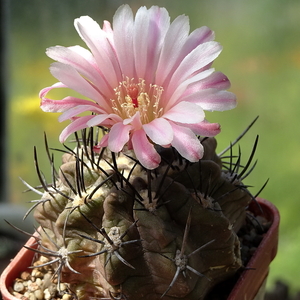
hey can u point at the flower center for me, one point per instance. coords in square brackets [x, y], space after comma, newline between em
[132, 97]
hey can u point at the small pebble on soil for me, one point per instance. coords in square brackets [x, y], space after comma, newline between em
[39, 284]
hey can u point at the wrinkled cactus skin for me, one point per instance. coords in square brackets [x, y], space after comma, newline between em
[130, 233]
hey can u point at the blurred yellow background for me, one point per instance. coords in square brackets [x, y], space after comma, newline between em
[261, 57]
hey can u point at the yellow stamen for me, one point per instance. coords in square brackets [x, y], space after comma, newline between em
[132, 97]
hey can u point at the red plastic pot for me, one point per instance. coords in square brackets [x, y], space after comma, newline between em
[253, 279]
[247, 287]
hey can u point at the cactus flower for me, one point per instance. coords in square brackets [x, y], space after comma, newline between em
[146, 79]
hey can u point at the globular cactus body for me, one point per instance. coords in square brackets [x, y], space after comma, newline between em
[131, 233]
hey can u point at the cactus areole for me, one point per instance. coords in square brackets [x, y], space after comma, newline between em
[142, 207]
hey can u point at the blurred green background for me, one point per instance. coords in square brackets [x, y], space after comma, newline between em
[261, 57]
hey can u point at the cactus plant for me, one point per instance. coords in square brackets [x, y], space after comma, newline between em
[112, 228]
[150, 211]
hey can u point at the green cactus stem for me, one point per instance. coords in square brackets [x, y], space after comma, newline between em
[114, 230]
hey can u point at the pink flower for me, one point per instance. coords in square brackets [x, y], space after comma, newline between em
[149, 81]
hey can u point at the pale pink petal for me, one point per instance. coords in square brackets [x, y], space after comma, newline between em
[150, 27]
[118, 136]
[134, 121]
[213, 99]
[159, 131]
[186, 143]
[216, 80]
[159, 22]
[205, 128]
[144, 150]
[84, 63]
[98, 41]
[71, 78]
[100, 119]
[140, 43]
[104, 141]
[49, 105]
[174, 40]
[77, 124]
[74, 111]
[195, 60]
[109, 32]
[185, 112]
[123, 39]
[46, 90]
[198, 36]
[180, 90]
[85, 53]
